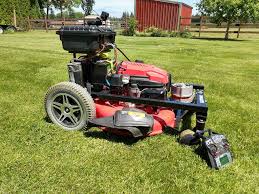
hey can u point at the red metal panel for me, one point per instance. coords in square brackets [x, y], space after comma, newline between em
[160, 14]
[154, 15]
[171, 17]
[165, 15]
[186, 13]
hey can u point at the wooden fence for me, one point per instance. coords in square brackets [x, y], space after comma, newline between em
[50, 24]
[203, 24]
[200, 24]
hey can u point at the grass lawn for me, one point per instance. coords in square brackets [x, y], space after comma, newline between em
[37, 156]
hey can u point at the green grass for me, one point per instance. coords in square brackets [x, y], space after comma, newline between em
[37, 156]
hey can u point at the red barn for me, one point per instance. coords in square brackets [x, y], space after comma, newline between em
[163, 14]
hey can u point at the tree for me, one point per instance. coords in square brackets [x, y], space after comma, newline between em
[22, 9]
[79, 15]
[130, 30]
[229, 11]
[40, 5]
[125, 16]
[87, 6]
[35, 9]
[65, 4]
[71, 12]
[52, 14]
[48, 4]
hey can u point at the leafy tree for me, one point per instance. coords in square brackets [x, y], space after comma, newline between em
[87, 6]
[48, 7]
[71, 12]
[52, 14]
[65, 4]
[79, 15]
[35, 9]
[22, 9]
[125, 16]
[229, 11]
[39, 5]
[131, 29]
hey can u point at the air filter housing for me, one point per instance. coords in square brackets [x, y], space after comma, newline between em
[85, 39]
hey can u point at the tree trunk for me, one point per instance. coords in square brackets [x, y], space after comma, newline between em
[227, 31]
[47, 11]
[61, 10]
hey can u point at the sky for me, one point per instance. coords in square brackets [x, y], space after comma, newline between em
[117, 7]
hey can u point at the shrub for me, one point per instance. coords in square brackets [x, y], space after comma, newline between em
[151, 29]
[186, 34]
[131, 30]
[165, 33]
[156, 32]
[174, 34]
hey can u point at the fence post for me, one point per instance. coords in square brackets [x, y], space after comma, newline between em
[29, 23]
[201, 20]
[46, 24]
[14, 18]
[239, 29]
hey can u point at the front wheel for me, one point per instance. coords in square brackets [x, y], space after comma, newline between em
[70, 106]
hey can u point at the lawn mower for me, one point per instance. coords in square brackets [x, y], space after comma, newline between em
[127, 98]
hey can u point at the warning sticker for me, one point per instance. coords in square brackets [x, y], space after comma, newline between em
[137, 114]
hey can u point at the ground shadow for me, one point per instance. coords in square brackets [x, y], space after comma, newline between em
[201, 151]
[197, 148]
[218, 39]
[47, 119]
[171, 131]
[112, 137]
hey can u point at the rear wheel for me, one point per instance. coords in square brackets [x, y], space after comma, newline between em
[70, 106]
[1, 30]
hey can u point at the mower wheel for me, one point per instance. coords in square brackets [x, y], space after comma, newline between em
[70, 106]
[186, 137]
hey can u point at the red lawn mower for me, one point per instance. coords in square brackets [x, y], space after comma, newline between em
[125, 98]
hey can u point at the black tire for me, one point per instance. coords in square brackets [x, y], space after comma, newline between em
[186, 137]
[11, 29]
[69, 106]
[1, 30]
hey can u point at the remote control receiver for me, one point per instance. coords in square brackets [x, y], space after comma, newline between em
[218, 150]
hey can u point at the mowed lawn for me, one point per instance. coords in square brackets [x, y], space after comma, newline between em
[38, 157]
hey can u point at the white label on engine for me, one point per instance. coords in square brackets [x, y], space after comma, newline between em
[202, 101]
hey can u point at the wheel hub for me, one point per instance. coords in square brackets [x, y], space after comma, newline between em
[67, 110]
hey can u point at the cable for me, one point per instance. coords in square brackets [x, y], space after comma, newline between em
[123, 54]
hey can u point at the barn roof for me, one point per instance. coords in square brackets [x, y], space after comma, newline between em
[174, 2]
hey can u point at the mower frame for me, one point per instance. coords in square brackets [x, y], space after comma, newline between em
[199, 106]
